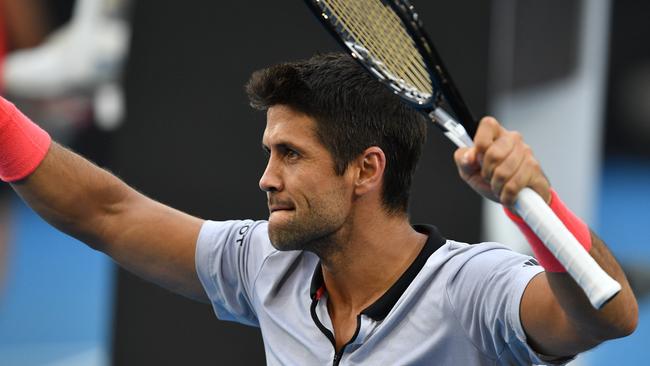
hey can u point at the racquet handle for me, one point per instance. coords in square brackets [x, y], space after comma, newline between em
[594, 281]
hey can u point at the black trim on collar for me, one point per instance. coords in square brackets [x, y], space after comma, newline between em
[380, 308]
[316, 281]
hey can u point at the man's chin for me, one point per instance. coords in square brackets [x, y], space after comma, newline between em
[280, 234]
[288, 235]
[284, 242]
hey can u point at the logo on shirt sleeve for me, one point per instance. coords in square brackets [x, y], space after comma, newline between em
[241, 234]
[531, 263]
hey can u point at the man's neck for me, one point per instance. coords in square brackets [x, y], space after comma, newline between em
[370, 261]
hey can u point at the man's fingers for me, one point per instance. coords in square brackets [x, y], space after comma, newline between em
[488, 131]
[508, 168]
[498, 152]
[467, 161]
[500, 164]
[529, 174]
[513, 186]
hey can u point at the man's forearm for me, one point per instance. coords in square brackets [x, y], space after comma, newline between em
[73, 194]
[617, 318]
[559, 319]
[146, 237]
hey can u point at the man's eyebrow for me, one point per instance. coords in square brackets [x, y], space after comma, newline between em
[282, 145]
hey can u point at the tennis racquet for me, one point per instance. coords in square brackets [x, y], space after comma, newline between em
[387, 38]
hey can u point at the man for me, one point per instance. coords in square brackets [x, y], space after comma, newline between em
[338, 274]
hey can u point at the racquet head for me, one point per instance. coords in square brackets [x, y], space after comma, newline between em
[387, 38]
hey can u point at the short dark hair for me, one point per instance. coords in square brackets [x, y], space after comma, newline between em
[353, 111]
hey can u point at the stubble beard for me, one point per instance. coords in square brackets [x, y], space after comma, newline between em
[313, 232]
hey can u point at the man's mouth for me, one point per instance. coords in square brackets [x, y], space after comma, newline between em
[280, 208]
[275, 206]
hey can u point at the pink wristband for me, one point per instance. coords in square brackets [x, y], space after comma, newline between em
[23, 145]
[572, 222]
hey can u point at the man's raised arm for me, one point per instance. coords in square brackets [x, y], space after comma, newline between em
[555, 313]
[148, 238]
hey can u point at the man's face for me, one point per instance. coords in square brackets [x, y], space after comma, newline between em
[308, 202]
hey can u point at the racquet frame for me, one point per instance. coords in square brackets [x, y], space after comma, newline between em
[596, 283]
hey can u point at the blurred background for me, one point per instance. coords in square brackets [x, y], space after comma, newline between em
[154, 92]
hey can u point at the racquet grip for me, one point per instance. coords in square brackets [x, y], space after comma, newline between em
[595, 282]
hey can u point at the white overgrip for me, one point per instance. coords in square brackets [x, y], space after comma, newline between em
[595, 282]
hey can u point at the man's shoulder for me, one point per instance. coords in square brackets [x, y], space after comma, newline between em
[479, 258]
[237, 231]
[462, 250]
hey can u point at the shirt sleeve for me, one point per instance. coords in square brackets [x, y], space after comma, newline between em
[229, 255]
[485, 294]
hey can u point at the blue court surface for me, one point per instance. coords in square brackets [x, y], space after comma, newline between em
[56, 309]
[57, 304]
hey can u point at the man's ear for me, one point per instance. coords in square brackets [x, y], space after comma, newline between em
[371, 164]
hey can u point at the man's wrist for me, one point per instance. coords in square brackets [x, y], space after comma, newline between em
[23, 145]
[573, 223]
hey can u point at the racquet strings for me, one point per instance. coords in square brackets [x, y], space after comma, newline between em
[375, 28]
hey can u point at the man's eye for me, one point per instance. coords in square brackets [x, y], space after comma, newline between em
[291, 154]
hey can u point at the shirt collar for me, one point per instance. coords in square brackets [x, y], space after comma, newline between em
[380, 308]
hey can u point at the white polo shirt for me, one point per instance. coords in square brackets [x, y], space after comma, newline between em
[457, 304]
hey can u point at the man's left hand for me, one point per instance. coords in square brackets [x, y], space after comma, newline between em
[500, 164]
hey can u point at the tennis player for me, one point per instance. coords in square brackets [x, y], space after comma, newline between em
[338, 275]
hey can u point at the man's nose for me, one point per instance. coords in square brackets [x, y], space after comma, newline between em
[270, 180]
